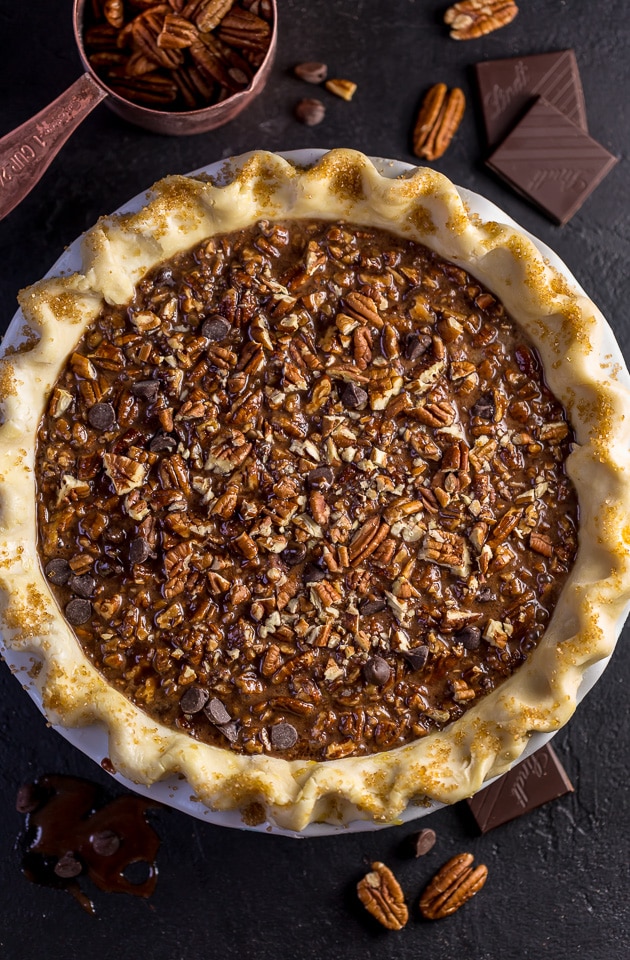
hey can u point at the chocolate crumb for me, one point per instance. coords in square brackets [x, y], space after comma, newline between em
[484, 407]
[163, 443]
[469, 637]
[416, 345]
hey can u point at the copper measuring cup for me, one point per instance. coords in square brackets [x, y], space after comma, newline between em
[27, 152]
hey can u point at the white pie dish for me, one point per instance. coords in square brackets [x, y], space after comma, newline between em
[93, 740]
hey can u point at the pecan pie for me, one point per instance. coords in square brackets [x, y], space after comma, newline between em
[304, 464]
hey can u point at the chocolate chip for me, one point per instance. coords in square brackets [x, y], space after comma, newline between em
[368, 607]
[105, 843]
[102, 416]
[416, 345]
[313, 573]
[146, 389]
[470, 637]
[163, 443]
[28, 798]
[83, 586]
[320, 477]
[216, 712]
[68, 866]
[377, 671]
[353, 397]
[293, 554]
[310, 111]
[485, 595]
[484, 407]
[416, 657]
[215, 327]
[139, 550]
[195, 700]
[423, 842]
[283, 736]
[58, 571]
[78, 611]
[311, 72]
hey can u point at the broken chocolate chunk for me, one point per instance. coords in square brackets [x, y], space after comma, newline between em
[469, 637]
[293, 554]
[484, 408]
[139, 550]
[416, 657]
[146, 389]
[195, 699]
[416, 345]
[163, 443]
[353, 397]
[320, 477]
[83, 586]
[216, 712]
[368, 607]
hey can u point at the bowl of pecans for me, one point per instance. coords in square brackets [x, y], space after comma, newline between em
[178, 67]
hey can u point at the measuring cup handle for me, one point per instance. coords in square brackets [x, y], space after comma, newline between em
[26, 153]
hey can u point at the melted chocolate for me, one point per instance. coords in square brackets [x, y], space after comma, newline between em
[70, 823]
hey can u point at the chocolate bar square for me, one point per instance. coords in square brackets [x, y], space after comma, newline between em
[551, 161]
[508, 87]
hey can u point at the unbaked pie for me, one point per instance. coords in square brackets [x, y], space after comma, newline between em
[291, 483]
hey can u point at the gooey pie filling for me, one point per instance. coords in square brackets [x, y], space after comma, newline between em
[305, 494]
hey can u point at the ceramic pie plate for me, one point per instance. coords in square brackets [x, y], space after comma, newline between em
[93, 740]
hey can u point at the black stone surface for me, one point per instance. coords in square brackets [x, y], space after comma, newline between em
[558, 879]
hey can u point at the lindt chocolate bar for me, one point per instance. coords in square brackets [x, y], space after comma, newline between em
[531, 783]
[551, 161]
[508, 87]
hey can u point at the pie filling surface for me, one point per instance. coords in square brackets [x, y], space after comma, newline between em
[305, 495]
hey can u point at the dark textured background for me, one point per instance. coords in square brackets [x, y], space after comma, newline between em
[558, 879]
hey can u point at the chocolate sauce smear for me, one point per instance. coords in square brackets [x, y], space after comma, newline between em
[71, 833]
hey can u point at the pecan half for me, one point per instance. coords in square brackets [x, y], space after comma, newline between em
[439, 117]
[452, 887]
[380, 894]
[470, 19]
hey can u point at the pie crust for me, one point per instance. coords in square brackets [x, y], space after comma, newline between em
[568, 332]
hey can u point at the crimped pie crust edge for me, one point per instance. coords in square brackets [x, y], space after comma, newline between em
[567, 330]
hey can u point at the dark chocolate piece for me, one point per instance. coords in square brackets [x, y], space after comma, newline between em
[508, 87]
[423, 842]
[531, 783]
[377, 671]
[551, 161]
[283, 736]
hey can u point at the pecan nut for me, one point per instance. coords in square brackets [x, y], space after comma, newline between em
[452, 887]
[380, 894]
[345, 89]
[470, 19]
[439, 117]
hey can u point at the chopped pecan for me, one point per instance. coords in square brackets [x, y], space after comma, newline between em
[470, 19]
[125, 474]
[452, 887]
[437, 122]
[380, 894]
[363, 308]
